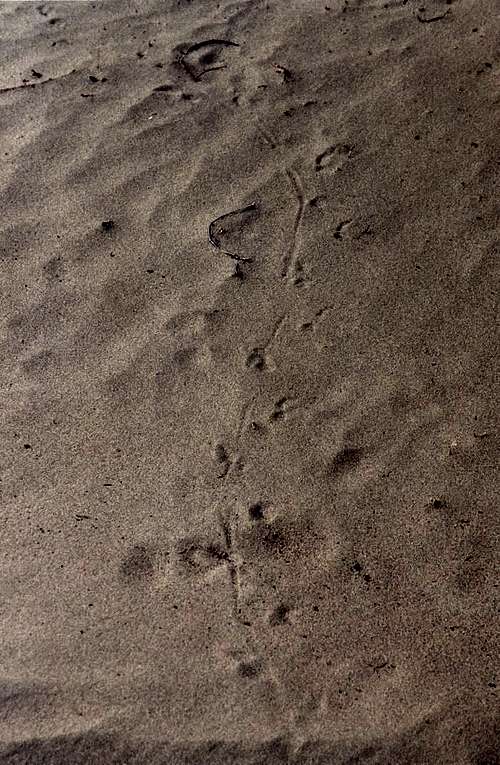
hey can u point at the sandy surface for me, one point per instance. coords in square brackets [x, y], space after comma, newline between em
[248, 486]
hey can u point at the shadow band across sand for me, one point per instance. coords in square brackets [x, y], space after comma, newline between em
[420, 744]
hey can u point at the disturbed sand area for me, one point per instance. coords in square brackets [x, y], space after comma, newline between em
[248, 505]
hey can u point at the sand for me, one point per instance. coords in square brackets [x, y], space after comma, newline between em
[248, 479]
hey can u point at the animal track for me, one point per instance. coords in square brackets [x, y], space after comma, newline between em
[265, 538]
[198, 557]
[250, 669]
[348, 457]
[366, 232]
[311, 324]
[300, 278]
[279, 615]
[233, 567]
[256, 359]
[138, 563]
[333, 157]
[284, 406]
[279, 410]
[286, 74]
[289, 263]
[222, 459]
[340, 227]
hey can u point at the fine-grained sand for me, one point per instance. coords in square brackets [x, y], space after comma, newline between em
[248, 485]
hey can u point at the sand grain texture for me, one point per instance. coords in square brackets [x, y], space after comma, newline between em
[248, 484]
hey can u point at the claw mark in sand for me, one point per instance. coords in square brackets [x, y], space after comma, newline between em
[233, 568]
[258, 357]
[214, 239]
[290, 260]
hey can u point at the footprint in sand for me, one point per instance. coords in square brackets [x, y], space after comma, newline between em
[203, 57]
[334, 157]
[197, 557]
